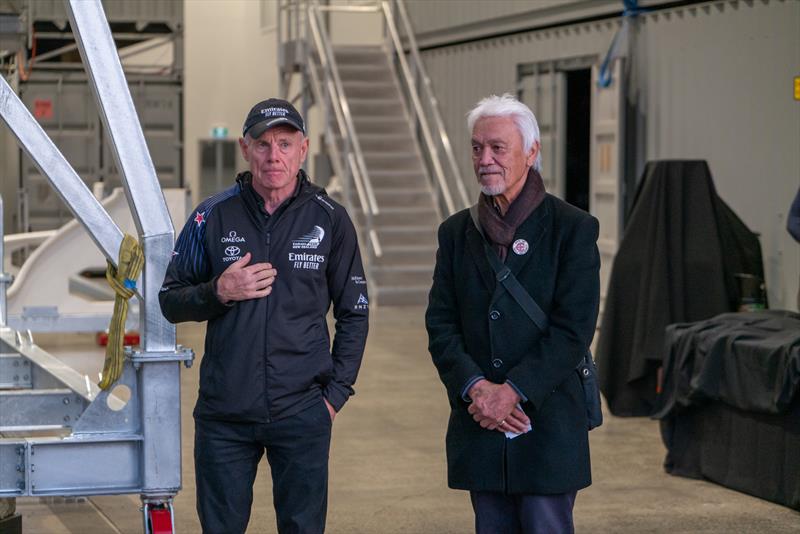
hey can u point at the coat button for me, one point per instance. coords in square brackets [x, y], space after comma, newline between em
[497, 363]
[494, 315]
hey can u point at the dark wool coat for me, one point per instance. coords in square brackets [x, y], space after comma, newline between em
[476, 330]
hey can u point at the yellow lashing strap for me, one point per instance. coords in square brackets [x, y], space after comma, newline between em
[123, 281]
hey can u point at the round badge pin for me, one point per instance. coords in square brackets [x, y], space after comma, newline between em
[520, 247]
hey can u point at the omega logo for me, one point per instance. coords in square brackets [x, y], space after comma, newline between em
[232, 238]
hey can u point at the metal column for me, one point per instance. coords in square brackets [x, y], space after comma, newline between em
[160, 380]
[114, 447]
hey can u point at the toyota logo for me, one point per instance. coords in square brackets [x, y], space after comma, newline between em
[232, 251]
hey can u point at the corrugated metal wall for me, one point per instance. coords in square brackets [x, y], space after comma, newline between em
[716, 84]
[169, 12]
[431, 15]
[712, 81]
[441, 21]
[65, 107]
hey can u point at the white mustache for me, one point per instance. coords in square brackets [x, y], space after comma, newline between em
[487, 170]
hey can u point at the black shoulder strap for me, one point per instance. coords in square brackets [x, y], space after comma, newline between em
[515, 289]
[509, 281]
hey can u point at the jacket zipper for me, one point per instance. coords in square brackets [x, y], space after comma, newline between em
[266, 346]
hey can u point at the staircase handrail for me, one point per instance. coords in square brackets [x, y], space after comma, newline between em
[433, 102]
[355, 156]
[340, 162]
[330, 68]
[438, 171]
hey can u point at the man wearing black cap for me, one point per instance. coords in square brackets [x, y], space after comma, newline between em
[262, 262]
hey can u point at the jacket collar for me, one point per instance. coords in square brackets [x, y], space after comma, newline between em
[303, 192]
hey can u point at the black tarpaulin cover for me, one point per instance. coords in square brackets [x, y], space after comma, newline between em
[676, 263]
[730, 405]
[749, 361]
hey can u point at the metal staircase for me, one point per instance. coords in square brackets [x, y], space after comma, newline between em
[384, 138]
[407, 221]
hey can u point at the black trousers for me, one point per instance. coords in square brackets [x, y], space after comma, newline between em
[498, 513]
[226, 457]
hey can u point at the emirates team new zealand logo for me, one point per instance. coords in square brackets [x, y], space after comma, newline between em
[310, 240]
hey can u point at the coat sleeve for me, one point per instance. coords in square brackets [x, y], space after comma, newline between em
[347, 286]
[573, 317]
[189, 289]
[793, 220]
[442, 320]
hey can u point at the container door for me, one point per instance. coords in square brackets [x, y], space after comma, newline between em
[606, 181]
[543, 90]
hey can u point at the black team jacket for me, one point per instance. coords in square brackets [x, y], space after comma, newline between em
[270, 358]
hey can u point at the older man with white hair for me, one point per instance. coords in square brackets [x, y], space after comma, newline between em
[517, 437]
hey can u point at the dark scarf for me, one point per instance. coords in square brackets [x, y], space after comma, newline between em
[500, 229]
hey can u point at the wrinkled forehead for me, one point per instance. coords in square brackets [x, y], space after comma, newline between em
[281, 131]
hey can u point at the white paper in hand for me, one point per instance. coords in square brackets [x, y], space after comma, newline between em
[512, 435]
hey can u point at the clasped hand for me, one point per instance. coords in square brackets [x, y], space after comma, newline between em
[494, 407]
[241, 281]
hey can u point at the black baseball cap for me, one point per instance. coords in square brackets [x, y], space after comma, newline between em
[269, 113]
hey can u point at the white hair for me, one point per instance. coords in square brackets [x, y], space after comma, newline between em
[508, 106]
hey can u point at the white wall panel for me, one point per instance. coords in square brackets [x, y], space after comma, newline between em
[230, 65]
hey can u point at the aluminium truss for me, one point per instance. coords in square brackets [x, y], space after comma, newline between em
[98, 444]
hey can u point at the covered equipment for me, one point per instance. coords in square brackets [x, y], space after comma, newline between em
[678, 262]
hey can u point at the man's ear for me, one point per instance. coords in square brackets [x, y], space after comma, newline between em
[533, 154]
[304, 149]
[243, 148]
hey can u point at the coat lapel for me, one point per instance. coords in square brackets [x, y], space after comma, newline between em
[475, 244]
[532, 231]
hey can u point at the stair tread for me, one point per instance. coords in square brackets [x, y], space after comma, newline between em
[399, 190]
[398, 118]
[385, 153]
[383, 136]
[386, 135]
[409, 248]
[360, 49]
[395, 172]
[363, 66]
[403, 288]
[411, 267]
[365, 100]
[407, 228]
[402, 209]
[386, 83]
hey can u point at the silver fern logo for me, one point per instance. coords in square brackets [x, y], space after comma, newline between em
[311, 239]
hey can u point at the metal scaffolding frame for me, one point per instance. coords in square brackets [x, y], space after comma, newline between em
[101, 445]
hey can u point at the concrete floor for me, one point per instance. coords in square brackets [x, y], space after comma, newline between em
[388, 465]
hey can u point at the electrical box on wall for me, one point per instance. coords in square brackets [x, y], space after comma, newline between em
[218, 166]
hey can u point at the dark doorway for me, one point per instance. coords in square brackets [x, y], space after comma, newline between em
[579, 114]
